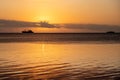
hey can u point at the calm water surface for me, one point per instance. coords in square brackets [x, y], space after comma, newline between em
[59, 56]
[59, 61]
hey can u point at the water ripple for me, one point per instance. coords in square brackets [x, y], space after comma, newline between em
[56, 71]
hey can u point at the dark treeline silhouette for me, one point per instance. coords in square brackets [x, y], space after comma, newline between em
[110, 32]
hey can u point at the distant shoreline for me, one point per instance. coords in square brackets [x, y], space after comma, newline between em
[64, 33]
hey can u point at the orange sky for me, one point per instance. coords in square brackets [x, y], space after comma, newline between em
[101, 12]
[62, 11]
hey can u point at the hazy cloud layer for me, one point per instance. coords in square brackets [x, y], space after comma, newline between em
[13, 23]
[10, 25]
[93, 27]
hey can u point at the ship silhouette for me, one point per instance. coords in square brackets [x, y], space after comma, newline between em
[27, 31]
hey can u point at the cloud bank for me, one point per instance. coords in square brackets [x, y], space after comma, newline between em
[93, 27]
[12, 25]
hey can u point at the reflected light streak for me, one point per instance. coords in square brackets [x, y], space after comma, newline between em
[43, 48]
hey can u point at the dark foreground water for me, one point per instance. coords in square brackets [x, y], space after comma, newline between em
[59, 57]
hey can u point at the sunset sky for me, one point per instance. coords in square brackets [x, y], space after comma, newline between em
[101, 12]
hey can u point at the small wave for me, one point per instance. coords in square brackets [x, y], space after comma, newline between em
[56, 71]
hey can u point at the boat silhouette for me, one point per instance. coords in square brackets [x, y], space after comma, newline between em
[27, 31]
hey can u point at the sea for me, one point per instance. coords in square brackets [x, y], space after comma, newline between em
[59, 56]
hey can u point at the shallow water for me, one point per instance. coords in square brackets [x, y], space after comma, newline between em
[59, 61]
